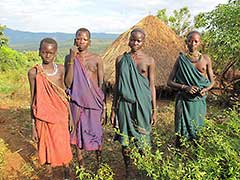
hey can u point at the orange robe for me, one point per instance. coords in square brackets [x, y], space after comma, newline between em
[50, 108]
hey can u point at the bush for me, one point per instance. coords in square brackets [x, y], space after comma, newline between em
[103, 173]
[214, 156]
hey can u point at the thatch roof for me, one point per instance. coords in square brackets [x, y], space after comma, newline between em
[161, 43]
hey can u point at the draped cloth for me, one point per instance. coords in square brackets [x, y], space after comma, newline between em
[133, 112]
[50, 109]
[190, 110]
[86, 106]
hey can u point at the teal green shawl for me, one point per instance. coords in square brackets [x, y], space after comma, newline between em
[134, 105]
[190, 110]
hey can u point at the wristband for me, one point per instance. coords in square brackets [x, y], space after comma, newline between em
[182, 87]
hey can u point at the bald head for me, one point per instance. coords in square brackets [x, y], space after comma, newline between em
[138, 30]
[49, 41]
[83, 30]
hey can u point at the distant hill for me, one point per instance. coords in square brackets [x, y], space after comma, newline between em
[24, 41]
[19, 37]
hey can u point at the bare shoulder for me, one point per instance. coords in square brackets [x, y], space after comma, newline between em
[119, 58]
[206, 58]
[67, 58]
[60, 67]
[149, 59]
[32, 72]
[94, 55]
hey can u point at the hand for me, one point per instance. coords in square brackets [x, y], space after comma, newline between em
[34, 134]
[203, 91]
[154, 118]
[192, 89]
[71, 125]
[112, 118]
[73, 52]
[104, 116]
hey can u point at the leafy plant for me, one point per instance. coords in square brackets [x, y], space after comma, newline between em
[214, 156]
[103, 173]
[180, 21]
[221, 32]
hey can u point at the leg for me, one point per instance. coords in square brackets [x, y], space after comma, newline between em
[126, 158]
[98, 157]
[66, 172]
[49, 170]
[178, 143]
[80, 157]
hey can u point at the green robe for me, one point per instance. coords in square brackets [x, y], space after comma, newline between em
[190, 110]
[134, 106]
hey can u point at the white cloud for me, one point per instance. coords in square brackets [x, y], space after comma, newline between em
[98, 16]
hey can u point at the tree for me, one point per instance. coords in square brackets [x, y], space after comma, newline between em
[222, 41]
[3, 38]
[221, 33]
[180, 21]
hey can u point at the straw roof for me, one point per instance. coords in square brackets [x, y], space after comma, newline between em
[161, 43]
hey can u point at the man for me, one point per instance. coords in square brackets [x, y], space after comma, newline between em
[84, 78]
[134, 100]
[50, 109]
[193, 76]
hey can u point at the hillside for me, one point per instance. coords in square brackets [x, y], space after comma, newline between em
[24, 41]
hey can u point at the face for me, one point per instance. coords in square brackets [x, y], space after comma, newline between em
[48, 52]
[82, 40]
[193, 42]
[136, 41]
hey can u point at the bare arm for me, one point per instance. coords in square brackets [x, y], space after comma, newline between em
[171, 79]
[210, 73]
[69, 64]
[153, 90]
[152, 83]
[100, 72]
[32, 82]
[115, 93]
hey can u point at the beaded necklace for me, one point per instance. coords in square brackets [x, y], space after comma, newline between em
[192, 56]
[55, 70]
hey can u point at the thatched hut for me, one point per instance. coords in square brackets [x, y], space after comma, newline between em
[161, 43]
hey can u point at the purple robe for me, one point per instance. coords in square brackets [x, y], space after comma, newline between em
[86, 107]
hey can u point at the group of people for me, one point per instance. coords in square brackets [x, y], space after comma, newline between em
[68, 103]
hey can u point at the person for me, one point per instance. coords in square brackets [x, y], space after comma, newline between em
[84, 79]
[193, 76]
[134, 98]
[50, 109]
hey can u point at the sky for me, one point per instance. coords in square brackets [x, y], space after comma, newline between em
[109, 16]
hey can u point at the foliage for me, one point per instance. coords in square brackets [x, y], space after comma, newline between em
[180, 20]
[3, 149]
[214, 156]
[3, 38]
[221, 32]
[13, 70]
[13, 60]
[103, 173]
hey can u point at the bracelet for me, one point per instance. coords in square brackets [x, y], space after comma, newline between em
[70, 62]
[182, 87]
[155, 109]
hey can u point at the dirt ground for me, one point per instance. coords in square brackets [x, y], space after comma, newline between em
[21, 161]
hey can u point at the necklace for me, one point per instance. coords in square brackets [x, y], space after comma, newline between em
[55, 70]
[134, 57]
[192, 56]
